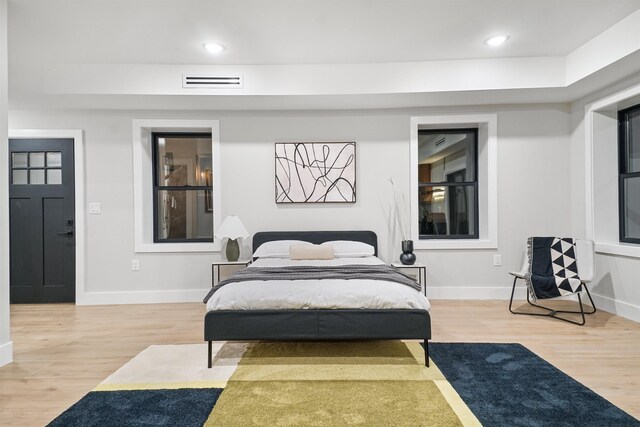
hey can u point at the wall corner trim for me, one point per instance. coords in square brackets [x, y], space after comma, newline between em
[6, 353]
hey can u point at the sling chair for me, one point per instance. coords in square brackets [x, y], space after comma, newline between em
[579, 253]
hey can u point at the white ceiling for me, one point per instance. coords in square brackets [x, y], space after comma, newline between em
[559, 50]
[302, 31]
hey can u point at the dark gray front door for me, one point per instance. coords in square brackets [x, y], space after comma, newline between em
[42, 217]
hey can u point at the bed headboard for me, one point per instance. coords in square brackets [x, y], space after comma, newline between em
[317, 237]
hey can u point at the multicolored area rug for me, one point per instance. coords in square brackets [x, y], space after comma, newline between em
[341, 384]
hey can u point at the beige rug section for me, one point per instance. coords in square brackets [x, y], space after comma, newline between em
[176, 366]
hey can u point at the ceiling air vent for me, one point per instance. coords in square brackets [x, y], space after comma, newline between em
[440, 141]
[213, 82]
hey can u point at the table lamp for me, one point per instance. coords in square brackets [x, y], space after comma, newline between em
[232, 229]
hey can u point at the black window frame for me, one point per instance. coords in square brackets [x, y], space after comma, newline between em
[157, 188]
[474, 183]
[624, 138]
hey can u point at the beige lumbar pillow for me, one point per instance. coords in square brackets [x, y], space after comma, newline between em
[308, 251]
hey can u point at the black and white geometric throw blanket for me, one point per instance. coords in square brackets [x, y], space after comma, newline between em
[344, 272]
[553, 270]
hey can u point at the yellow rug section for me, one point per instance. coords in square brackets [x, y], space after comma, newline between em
[318, 353]
[332, 403]
[327, 361]
[381, 383]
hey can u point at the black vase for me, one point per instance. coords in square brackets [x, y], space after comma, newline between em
[407, 257]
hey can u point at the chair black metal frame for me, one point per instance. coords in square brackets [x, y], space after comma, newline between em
[552, 312]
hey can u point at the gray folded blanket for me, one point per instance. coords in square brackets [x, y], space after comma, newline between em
[346, 272]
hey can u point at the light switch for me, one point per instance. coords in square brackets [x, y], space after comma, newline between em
[95, 208]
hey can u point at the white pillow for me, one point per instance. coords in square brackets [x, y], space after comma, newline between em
[313, 252]
[276, 248]
[350, 249]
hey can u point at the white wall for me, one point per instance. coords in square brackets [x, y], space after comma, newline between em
[533, 146]
[616, 287]
[532, 150]
[5, 338]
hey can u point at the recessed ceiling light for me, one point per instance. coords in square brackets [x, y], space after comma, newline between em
[496, 40]
[213, 47]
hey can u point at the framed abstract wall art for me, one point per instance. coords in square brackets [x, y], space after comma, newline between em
[315, 172]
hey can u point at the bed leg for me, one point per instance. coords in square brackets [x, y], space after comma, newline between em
[210, 354]
[426, 353]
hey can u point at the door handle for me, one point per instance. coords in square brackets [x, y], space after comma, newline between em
[68, 233]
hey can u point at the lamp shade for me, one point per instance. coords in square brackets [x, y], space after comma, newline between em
[231, 228]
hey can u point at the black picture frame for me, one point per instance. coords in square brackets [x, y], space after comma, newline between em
[315, 172]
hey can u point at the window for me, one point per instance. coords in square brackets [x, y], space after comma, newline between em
[629, 174]
[603, 137]
[182, 187]
[481, 213]
[30, 168]
[448, 184]
[144, 183]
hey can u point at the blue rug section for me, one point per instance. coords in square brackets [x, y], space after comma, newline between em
[508, 385]
[181, 407]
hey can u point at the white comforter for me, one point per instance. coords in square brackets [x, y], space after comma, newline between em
[316, 293]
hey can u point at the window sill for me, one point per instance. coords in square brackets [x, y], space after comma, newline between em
[623, 249]
[454, 244]
[178, 247]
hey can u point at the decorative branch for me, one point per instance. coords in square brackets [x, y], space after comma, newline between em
[399, 202]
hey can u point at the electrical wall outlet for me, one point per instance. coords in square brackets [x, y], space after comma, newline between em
[95, 208]
[135, 264]
[497, 260]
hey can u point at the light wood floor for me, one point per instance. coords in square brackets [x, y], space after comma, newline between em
[61, 352]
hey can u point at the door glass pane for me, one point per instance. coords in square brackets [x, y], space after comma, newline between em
[36, 176]
[182, 159]
[19, 160]
[54, 176]
[36, 160]
[632, 207]
[185, 214]
[447, 210]
[54, 159]
[442, 153]
[19, 177]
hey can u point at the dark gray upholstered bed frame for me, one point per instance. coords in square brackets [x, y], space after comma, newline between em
[317, 324]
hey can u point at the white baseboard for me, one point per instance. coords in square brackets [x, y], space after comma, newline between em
[196, 295]
[474, 293]
[6, 353]
[141, 297]
[619, 308]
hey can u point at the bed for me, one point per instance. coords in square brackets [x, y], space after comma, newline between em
[233, 315]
